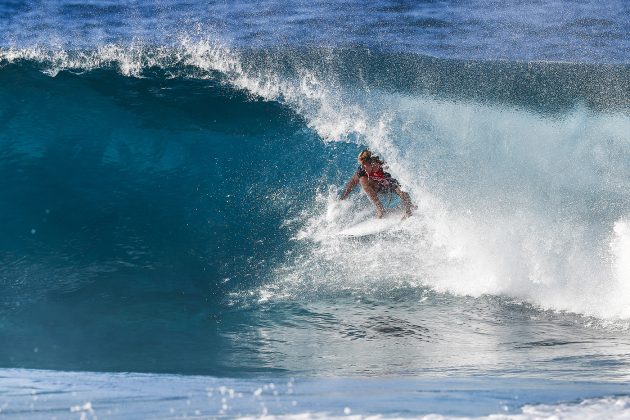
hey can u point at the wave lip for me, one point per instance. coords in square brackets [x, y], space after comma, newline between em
[271, 73]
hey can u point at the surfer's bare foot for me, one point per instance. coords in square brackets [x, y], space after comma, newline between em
[379, 213]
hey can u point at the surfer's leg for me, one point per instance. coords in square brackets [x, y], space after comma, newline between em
[370, 190]
[406, 201]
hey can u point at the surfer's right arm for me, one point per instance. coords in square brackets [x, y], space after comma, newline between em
[354, 181]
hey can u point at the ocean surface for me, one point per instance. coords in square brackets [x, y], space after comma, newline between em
[169, 214]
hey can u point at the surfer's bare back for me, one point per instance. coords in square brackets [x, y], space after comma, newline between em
[374, 180]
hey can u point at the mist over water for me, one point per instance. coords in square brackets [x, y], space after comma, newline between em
[588, 31]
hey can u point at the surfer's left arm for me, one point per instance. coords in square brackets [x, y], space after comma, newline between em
[354, 181]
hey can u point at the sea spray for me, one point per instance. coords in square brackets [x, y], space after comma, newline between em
[506, 204]
[620, 249]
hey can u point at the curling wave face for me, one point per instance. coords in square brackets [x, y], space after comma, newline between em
[180, 186]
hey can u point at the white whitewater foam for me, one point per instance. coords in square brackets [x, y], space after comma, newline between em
[609, 408]
[512, 203]
[620, 247]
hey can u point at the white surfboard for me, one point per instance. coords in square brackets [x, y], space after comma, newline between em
[373, 226]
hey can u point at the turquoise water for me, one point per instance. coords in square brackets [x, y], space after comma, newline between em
[45, 394]
[169, 208]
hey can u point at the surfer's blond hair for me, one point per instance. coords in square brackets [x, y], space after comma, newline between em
[367, 156]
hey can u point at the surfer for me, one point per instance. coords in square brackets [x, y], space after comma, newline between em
[374, 180]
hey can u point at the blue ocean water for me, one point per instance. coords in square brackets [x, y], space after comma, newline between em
[169, 174]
